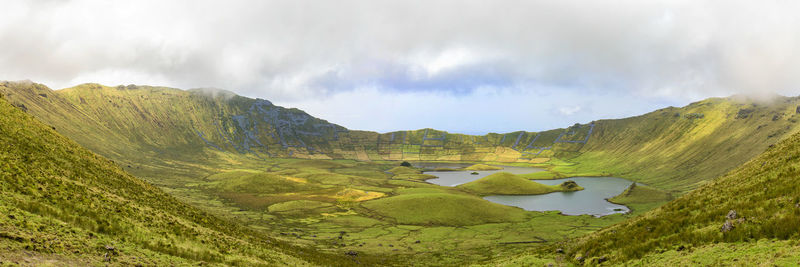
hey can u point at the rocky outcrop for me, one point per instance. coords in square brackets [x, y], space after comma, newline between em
[569, 184]
[731, 215]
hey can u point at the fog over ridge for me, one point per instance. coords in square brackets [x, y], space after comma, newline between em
[539, 63]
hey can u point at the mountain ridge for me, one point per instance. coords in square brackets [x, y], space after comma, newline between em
[674, 149]
[63, 204]
[177, 140]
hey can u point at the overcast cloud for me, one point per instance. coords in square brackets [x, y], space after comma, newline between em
[553, 63]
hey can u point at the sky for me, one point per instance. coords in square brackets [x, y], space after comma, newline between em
[462, 66]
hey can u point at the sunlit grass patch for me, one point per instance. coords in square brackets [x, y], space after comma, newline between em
[443, 209]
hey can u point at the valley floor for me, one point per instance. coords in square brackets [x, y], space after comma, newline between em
[345, 206]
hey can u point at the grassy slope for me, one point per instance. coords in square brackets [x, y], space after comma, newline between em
[744, 254]
[504, 183]
[155, 129]
[638, 196]
[170, 124]
[758, 253]
[638, 193]
[483, 167]
[670, 149]
[402, 172]
[64, 203]
[257, 183]
[661, 149]
[765, 192]
[443, 209]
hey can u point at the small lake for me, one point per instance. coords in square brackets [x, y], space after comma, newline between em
[591, 200]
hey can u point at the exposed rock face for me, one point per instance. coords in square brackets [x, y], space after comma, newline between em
[22, 107]
[744, 113]
[727, 226]
[731, 215]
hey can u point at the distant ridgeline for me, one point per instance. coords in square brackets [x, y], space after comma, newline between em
[671, 148]
[166, 120]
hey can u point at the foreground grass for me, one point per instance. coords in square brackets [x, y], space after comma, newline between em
[764, 252]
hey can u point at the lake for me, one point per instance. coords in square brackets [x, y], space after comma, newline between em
[591, 200]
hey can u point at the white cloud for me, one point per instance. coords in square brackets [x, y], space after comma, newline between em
[293, 51]
[569, 110]
[482, 111]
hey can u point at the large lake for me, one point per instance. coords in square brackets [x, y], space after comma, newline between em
[591, 200]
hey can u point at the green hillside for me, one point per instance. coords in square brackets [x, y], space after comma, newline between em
[640, 196]
[746, 217]
[504, 183]
[63, 205]
[443, 209]
[764, 195]
[682, 148]
[166, 122]
[156, 129]
[318, 185]
[483, 167]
